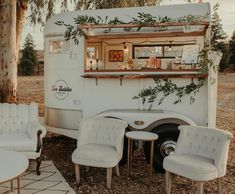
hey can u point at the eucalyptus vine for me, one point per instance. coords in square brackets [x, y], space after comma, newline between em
[142, 19]
[165, 88]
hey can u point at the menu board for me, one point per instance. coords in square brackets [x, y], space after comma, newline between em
[190, 54]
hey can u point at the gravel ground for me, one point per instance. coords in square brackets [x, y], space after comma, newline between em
[59, 149]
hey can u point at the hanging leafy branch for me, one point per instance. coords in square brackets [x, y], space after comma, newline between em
[142, 19]
[204, 62]
[166, 88]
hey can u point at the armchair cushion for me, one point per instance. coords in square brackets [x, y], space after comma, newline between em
[195, 167]
[21, 143]
[96, 155]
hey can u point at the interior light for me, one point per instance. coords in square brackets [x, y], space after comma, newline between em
[124, 45]
[169, 49]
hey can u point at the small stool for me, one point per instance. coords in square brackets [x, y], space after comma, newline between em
[141, 136]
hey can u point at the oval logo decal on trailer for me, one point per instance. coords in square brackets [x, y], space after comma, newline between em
[61, 89]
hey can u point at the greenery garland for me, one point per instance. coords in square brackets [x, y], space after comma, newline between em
[142, 19]
[166, 87]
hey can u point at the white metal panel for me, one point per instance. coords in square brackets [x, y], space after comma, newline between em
[63, 99]
[62, 118]
[60, 61]
[109, 94]
[196, 111]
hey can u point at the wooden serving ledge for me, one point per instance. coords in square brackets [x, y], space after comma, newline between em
[142, 74]
[140, 70]
[139, 76]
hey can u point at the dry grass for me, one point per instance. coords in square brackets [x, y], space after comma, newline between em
[59, 149]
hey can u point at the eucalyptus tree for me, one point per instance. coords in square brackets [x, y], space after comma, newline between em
[232, 50]
[103, 4]
[218, 37]
[12, 18]
[217, 33]
[28, 59]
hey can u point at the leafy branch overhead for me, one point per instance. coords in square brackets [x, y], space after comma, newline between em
[162, 88]
[142, 19]
[165, 88]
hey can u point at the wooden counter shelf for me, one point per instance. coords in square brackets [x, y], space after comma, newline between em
[141, 70]
[142, 74]
[139, 76]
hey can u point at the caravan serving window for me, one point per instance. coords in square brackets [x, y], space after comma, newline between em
[59, 46]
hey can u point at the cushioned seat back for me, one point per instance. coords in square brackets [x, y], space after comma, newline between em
[207, 142]
[14, 118]
[104, 131]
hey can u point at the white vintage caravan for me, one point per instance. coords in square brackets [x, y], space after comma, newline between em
[111, 64]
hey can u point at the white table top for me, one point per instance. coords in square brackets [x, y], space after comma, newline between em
[141, 135]
[12, 164]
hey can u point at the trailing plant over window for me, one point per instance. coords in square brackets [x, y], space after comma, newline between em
[162, 87]
[204, 62]
[142, 19]
[165, 88]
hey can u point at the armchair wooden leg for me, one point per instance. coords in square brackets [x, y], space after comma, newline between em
[38, 160]
[77, 173]
[117, 172]
[109, 177]
[219, 186]
[168, 182]
[200, 187]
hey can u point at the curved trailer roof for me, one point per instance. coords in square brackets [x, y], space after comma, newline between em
[125, 14]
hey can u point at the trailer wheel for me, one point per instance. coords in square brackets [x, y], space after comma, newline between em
[164, 145]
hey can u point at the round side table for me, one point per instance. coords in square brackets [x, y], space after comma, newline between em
[12, 165]
[140, 136]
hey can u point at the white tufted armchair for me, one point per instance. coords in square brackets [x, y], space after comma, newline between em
[201, 154]
[100, 144]
[21, 131]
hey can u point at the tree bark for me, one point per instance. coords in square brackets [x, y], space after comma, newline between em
[8, 66]
[21, 11]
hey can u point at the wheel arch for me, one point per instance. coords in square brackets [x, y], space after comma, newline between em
[150, 120]
[165, 121]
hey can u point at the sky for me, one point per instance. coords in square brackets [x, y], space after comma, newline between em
[226, 13]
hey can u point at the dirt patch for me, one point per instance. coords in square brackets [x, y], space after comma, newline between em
[59, 149]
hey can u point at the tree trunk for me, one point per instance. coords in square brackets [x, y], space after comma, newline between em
[21, 11]
[8, 66]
